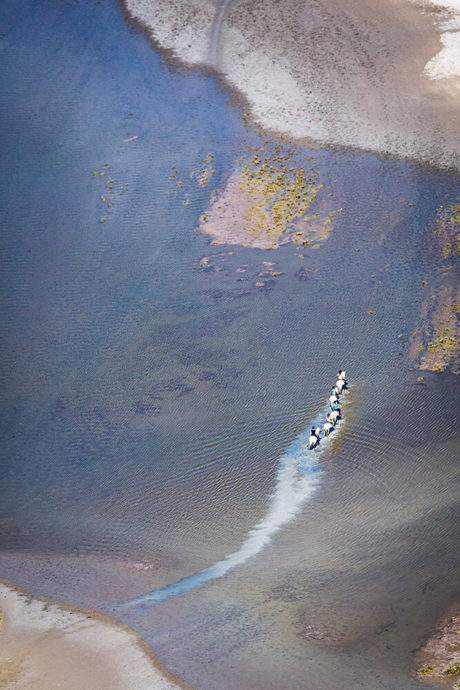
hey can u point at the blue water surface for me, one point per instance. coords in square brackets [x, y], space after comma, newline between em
[148, 403]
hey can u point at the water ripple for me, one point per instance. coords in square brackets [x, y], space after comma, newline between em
[296, 480]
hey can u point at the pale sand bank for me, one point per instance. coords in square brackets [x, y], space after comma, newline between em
[446, 63]
[45, 645]
[374, 75]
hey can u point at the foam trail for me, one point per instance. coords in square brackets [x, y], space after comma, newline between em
[296, 480]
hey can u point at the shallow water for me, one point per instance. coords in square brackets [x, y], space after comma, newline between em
[148, 401]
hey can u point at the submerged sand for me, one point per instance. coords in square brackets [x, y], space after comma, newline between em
[45, 645]
[380, 76]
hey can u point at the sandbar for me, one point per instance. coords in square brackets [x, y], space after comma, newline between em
[46, 645]
[269, 201]
[378, 76]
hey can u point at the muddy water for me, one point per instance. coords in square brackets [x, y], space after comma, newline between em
[151, 399]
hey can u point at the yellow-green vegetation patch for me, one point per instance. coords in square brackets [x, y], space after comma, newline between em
[435, 345]
[280, 192]
[205, 172]
[453, 669]
[426, 669]
[447, 231]
[442, 349]
[444, 342]
[112, 189]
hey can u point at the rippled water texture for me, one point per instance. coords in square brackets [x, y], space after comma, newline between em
[155, 404]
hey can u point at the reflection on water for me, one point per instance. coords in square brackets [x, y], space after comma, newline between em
[152, 380]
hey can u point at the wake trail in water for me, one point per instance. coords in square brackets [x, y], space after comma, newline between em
[297, 477]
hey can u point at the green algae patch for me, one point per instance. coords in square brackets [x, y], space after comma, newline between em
[279, 193]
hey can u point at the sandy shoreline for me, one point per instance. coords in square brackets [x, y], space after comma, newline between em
[47, 645]
[353, 74]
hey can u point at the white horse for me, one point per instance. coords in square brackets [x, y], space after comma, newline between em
[340, 384]
[327, 427]
[332, 399]
[313, 442]
[335, 416]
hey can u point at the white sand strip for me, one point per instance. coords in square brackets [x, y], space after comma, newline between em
[446, 64]
[46, 646]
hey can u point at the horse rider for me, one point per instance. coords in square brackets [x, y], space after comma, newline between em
[333, 398]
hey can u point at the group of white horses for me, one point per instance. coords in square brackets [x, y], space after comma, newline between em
[334, 415]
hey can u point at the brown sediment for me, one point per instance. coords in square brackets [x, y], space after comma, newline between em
[49, 644]
[435, 660]
[338, 73]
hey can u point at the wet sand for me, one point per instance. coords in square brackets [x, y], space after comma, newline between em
[374, 76]
[47, 645]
